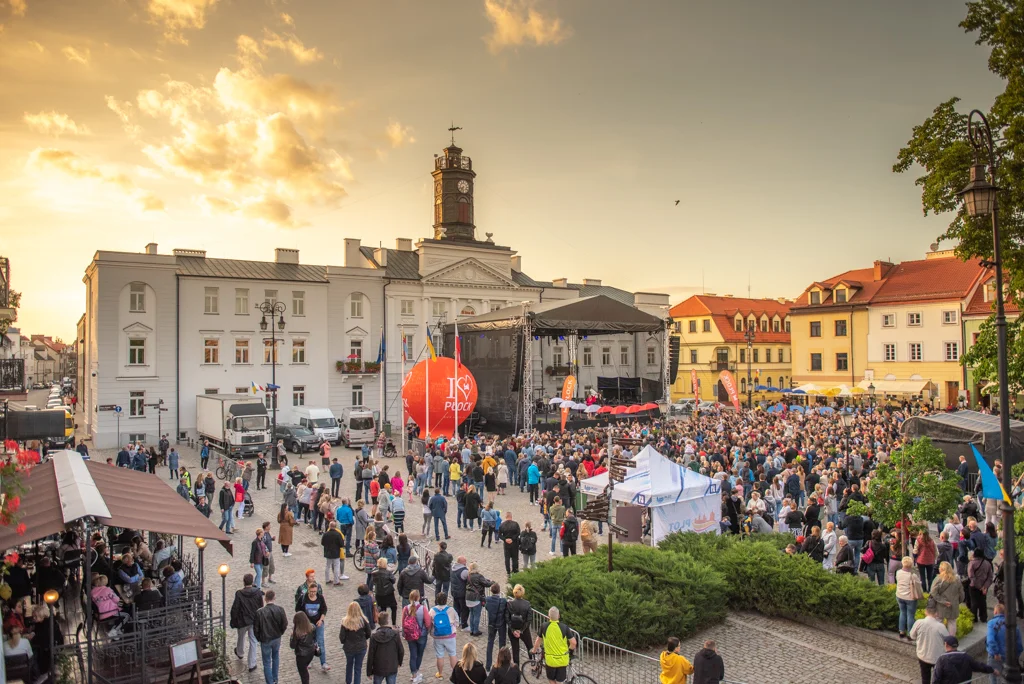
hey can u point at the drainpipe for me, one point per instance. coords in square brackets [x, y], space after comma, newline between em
[384, 362]
[177, 358]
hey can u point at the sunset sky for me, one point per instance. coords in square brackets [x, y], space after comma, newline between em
[238, 126]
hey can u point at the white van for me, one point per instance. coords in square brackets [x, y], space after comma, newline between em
[320, 420]
[358, 425]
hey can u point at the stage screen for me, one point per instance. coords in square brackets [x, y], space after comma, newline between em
[495, 359]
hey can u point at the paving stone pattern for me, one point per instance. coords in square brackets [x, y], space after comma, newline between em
[756, 649]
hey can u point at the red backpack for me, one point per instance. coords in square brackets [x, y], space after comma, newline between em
[411, 629]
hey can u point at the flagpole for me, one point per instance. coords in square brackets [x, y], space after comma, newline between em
[426, 386]
[402, 399]
[458, 365]
[383, 354]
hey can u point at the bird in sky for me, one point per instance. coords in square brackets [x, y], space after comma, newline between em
[677, 202]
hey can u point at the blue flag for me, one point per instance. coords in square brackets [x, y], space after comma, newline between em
[991, 488]
[380, 350]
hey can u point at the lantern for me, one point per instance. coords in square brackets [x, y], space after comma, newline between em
[445, 391]
[979, 195]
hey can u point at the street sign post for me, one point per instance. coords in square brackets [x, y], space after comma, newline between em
[159, 406]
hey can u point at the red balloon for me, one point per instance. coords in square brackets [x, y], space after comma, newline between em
[444, 387]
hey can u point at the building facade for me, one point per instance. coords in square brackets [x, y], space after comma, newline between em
[979, 309]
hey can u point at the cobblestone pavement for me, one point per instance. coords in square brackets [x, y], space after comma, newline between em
[756, 649]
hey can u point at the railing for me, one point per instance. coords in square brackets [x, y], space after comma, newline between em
[12, 375]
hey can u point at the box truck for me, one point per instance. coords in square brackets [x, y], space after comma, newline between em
[235, 424]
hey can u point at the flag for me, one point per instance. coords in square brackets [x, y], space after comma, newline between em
[380, 350]
[430, 346]
[254, 388]
[458, 348]
[991, 487]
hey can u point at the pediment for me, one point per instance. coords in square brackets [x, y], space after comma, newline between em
[470, 272]
[138, 328]
[356, 332]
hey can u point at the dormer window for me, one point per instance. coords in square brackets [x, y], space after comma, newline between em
[738, 323]
[776, 325]
[764, 324]
[751, 324]
[815, 296]
[841, 296]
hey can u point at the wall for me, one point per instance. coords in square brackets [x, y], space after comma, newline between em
[828, 345]
[343, 328]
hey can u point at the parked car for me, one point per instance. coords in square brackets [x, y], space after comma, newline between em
[296, 438]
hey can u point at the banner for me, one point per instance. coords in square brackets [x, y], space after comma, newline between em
[568, 390]
[693, 381]
[730, 386]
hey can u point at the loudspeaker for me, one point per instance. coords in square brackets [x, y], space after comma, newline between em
[518, 351]
[673, 359]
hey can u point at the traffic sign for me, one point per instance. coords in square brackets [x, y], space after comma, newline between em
[117, 409]
[108, 407]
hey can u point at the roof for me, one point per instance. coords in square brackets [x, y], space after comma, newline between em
[862, 279]
[929, 279]
[202, 267]
[402, 265]
[585, 290]
[723, 312]
[967, 427]
[587, 315]
[979, 307]
[66, 489]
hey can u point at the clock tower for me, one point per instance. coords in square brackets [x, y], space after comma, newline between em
[453, 195]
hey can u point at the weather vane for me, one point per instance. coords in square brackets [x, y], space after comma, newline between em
[452, 129]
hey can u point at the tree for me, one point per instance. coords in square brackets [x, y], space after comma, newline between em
[13, 302]
[983, 359]
[914, 485]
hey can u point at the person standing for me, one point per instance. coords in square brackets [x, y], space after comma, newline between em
[556, 514]
[248, 601]
[226, 501]
[442, 568]
[386, 652]
[674, 666]
[948, 593]
[335, 471]
[269, 626]
[468, 670]
[414, 629]
[286, 526]
[528, 545]
[980, 575]
[995, 640]
[261, 472]
[334, 554]
[204, 455]
[570, 532]
[443, 622]
[956, 667]
[497, 609]
[557, 641]
[438, 511]
[354, 634]
[303, 642]
[708, 666]
[519, 613]
[509, 534]
[258, 557]
[315, 608]
[172, 461]
[930, 635]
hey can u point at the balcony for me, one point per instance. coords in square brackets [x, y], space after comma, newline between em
[12, 376]
[357, 367]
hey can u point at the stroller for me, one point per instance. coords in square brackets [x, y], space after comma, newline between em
[247, 507]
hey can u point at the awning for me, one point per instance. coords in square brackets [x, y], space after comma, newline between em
[965, 427]
[66, 489]
[898, 386]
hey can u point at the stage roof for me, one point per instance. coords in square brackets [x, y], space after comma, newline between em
[587, 315]
[966, 427]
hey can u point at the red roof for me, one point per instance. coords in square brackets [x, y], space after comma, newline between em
[723, 311]
[978, 305]
[929, 279]
[861, 281]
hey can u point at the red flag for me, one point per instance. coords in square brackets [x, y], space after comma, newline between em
[730, 386]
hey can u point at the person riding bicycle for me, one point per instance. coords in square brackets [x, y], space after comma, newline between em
[557, 642]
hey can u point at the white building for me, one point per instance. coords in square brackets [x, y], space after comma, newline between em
[171, 326]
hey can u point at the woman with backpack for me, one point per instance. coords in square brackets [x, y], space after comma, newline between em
[518, 620]
[384, 588]
[354, 635]
[371, 554]
[528, 545]
[414, 629]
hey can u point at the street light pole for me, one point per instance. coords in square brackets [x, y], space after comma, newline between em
[274, 310]
[749, 337]
[980, 199]
[51, 597]
[223, 571]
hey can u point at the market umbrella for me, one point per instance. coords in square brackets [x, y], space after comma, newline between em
[635, 408]
[650, 406]
[555, 400]
[797, 407]
[567, 403]
[579, 406]
[619, 410]
[761, 388]
[797, 391]
[606, 409]
[593, 408]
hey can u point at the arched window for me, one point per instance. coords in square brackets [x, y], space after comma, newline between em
[467, 311]
[743, 384]
[463, 211]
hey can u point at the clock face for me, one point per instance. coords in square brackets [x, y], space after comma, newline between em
[463, 187]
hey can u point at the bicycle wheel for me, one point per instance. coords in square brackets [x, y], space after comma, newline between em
[582, 679]
[533, 672]
[220, 473]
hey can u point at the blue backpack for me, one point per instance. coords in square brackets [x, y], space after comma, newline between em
[442, 624]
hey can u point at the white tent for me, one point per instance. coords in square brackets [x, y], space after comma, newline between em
[680, 499]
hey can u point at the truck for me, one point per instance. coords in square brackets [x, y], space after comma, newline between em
[235, 424]
[55, 425]
[321, 421]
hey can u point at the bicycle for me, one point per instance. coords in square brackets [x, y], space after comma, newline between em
[228, 470]
[533, 671]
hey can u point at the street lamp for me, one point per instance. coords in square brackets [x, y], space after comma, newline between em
[223, 571]
[201, 545]
[847, 419]
[51, 597]
[749, 337]
[274, 310]
[979, 197]
[871, 393]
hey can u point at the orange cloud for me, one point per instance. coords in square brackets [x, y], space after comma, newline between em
[75, 55]
[269, 210]
[47, 160]
[54, 123]
[291, 44]
[519, 22]
[398, 134]
[18, 8]
[178, 16]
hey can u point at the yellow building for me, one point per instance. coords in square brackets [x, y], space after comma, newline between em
[712, 337]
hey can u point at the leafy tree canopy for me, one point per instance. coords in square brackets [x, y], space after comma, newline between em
[914, 484]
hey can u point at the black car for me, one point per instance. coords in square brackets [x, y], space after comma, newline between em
[297, 438]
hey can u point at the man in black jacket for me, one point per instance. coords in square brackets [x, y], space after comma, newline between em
[386, 650]
[508, 533]
[708, 666]
[442, 570]
[248, 601]
[413, 578]
[333, 542]
[226, 501]
[570, 533]
[954, 667]
[270, 624]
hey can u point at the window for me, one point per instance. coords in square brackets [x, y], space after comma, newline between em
[210, 303]
[136, 436]
[815, 297]
[776, 325]
[888, 320]
[841, 296]
[757, 354]
[298, 351]
[298, 303]
[211, 350]
[270, 401]
[841, 328]
[737, 324]
[407, 307]
[606, 356]
[949, 317]
[781, 360]
[764, 325]
[952, 351]
[496, 306]
[439, 308]
[693, 356]
[743, 385]
[270, 350]
[136, 404]
[651, 356]
[588, 356]
[623, 356]
[916, 353]
[407, 347]
[889, 351]
[299, 395]
[743, 355]
[750, 323]
[357, 395]
[974, 338]
[767, 355]
[815, 328]
[815, 362]
[467, 311]
[355, 306]
[678, 327]
[842, 361]
[241, 390]
[355, 350]
[241, 351]
[913, 319]
[137, 298]
[211, 390]
[137, 352]
[787, 325]
[270, 297]
[556, 356]
[438, 342]
[707, 325]
[241, 301]
[693, 326]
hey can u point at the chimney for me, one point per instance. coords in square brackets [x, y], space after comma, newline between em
[380, 255]
[353, 257]
[517, 263]
[560, 282]
[199, 253]
[881, 269]
[151, 248]
[283, 255]
[592, 282]
[403, 244]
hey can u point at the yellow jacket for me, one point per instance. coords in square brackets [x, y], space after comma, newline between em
[487, 464]
[455, 471]
[674, 668]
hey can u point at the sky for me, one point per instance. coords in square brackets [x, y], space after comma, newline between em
[238, 126]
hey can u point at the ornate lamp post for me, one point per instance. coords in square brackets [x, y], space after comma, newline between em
[749, 336]
[274, 310]
[980, 199]
[51, 597]
[871, 393]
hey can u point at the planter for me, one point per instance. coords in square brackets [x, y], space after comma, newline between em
[357, 367]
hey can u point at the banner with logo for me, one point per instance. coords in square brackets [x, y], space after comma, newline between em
[729, 383]
[693, 380]
[568, 390]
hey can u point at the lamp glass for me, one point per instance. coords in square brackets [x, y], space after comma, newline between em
[280, 323]
[51, 597]
[263, 324]
[200, 542]
[223, 569]
[980, 200]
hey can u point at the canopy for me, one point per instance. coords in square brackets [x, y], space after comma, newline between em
[66, 488]
[898, 386]
[680, 499]
[586, 315]
[964, 427]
